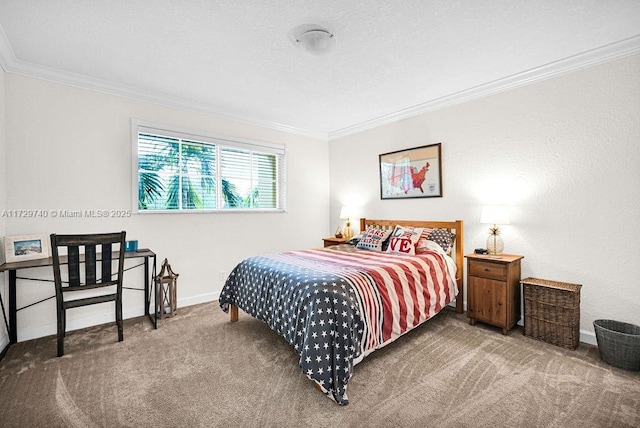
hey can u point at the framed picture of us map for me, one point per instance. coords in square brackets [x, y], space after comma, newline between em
[411, 173]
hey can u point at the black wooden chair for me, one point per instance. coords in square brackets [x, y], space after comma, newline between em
[99, 273]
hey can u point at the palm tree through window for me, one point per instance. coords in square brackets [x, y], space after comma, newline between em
[177, 173]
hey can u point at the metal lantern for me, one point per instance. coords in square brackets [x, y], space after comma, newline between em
[166, 300]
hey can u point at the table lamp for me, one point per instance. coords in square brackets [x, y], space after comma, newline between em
[495, 214]
[345, 214]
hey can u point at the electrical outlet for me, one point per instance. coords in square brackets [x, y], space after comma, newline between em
[222, 275]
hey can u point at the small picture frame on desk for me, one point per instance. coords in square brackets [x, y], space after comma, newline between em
[26, 247]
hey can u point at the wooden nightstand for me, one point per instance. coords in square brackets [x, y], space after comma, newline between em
[493, 289]
[333, 241]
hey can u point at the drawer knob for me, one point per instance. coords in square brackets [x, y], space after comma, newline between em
[486, 269]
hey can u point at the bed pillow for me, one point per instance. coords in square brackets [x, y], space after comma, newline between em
[373, 238]
[354, 240]
[442, 237]
[403, 240]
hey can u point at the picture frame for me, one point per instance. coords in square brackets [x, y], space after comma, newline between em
[411, 173]
[26, 247]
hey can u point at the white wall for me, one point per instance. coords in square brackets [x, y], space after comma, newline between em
[563, 153]
[4, 335]
[70, 149]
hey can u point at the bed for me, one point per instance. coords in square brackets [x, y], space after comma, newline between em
[338, 304]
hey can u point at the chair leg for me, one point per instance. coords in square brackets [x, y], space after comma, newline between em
[60, 335]
[119, 319]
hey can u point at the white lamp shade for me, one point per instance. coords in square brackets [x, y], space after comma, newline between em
[495, 214]
[345, 213]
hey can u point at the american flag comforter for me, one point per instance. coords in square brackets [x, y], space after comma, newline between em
[336, 305]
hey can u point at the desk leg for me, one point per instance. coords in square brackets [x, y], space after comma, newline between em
[13, 308]
[147, 289]
[6, 324]
[146, 286]
[155, 313]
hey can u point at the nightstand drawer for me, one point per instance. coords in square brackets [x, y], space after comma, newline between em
[328, 242]
[488, 270]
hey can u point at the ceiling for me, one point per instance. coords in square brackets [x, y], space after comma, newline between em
[392, 58]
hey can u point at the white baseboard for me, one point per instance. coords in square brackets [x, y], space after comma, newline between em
[588, 337]
[103, 318]
[36, 332]
[201, 298]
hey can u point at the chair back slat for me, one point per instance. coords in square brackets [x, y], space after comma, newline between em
[106, 262]
[73, 253]
[87, 244]
[90, 263]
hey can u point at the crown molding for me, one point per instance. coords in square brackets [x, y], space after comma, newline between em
[612, 51]
[10, 64]
[7, 57]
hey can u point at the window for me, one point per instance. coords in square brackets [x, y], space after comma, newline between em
[181, 171]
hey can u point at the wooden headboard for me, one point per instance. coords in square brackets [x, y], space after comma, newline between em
[458, 248]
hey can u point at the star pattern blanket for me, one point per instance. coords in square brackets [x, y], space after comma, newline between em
[335, 307]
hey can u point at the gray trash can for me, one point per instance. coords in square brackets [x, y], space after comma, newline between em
[619, 343]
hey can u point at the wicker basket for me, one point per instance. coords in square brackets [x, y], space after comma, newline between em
[619, 343]
[552, 311]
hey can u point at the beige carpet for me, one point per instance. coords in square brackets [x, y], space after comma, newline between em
[199, 370]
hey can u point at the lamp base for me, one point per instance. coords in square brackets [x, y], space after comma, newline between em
[348, 231]
[495, 245]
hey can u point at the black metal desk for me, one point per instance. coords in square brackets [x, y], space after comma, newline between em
[13, 268]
